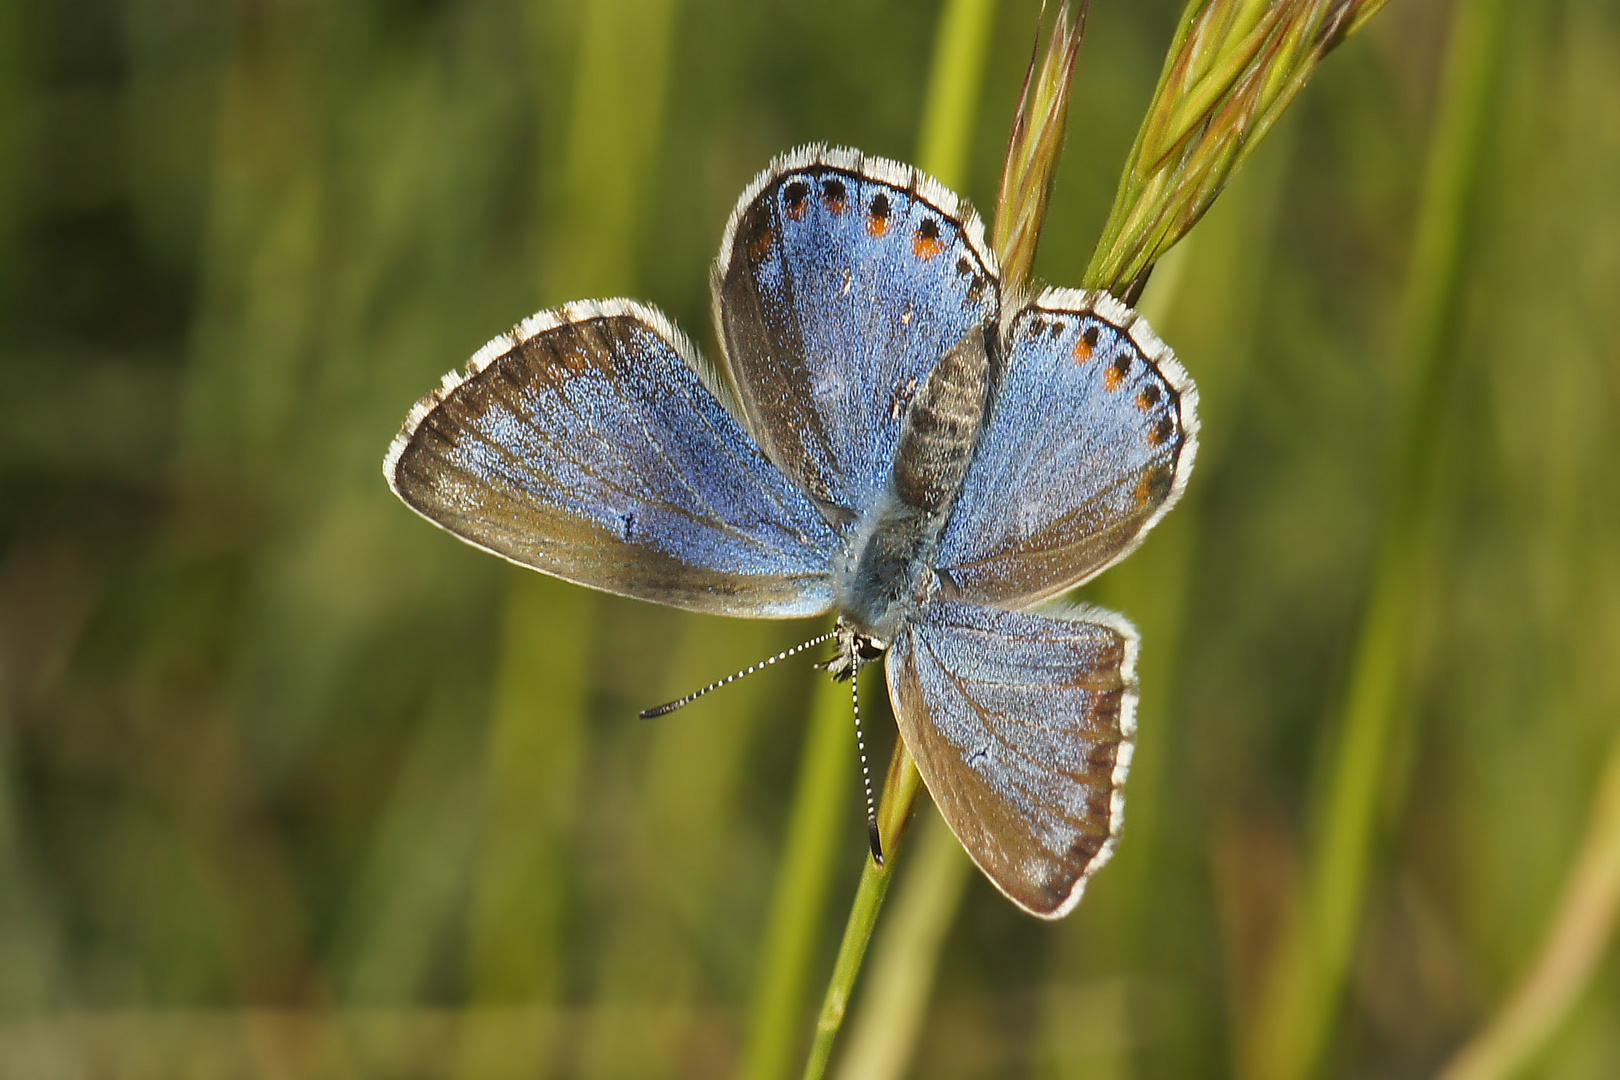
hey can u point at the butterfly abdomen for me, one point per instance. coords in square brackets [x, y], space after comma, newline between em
[891, 552]
[942, 426]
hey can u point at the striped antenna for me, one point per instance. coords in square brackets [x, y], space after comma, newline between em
[873, 835]
[678, 703]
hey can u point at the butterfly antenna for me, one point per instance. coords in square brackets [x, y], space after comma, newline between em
[669, 707]
[873, 836]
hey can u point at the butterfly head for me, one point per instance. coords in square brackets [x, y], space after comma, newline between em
[855, 649]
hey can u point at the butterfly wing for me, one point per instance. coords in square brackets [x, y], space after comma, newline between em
[586, 445]
[1021, 724]
[841, 281]
[1090, 440]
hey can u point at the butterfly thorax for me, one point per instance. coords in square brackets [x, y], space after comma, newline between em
[888, 570]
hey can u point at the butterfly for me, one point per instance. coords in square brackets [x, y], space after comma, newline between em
[886, 436]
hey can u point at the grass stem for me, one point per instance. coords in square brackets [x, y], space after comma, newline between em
[895, 1003]
[1294, 1021]
[900, 792]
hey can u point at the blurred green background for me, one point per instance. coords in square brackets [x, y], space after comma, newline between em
[294, 785]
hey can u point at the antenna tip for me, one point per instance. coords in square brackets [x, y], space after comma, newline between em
[875, 838]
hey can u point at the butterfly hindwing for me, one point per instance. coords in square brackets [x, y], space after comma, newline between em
[585, 444]
[841, 282]
[1022, 725]
[1089, 441]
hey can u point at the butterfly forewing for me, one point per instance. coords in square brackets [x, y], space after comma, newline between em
[1021, 724]
[841, 282]
[1089, 442]
[585, 445]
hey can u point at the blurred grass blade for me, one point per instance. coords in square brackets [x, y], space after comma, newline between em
[268, 209]
[17, 135]
[955, 85]
[1233, 68]
[29, 935]
[1295, 1015]
[534, 756]
[1581, 934]
[676, 851]
[518, 937]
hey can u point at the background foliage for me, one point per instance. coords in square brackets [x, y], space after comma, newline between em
[293, 785]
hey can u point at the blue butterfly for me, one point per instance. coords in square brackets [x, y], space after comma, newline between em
[886, 437]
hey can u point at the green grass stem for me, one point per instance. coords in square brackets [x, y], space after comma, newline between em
[900, 793]
[883, 1036]
[1295, 1016]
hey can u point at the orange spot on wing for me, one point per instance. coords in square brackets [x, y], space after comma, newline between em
[761, 243]
[1153, 487]
[1114, 377]
[572, 356]
[1082, 351]
[926, 247]
[875, 225]
[797, 210]
[1146, 400]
